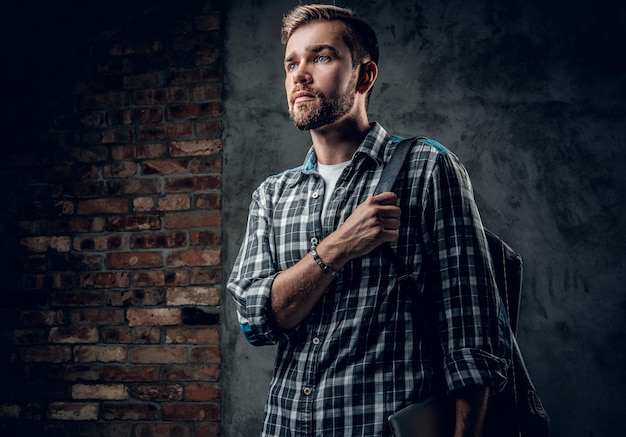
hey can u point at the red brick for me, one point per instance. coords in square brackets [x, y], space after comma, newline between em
[177, 130]
[205, 238]
[143, 204]
[211, 91]
[157, 392]
[100, 242]
[90, 154]
[158, 355]
[208, 429]
[194, 257]
[82, 373]
[117, 335]
[166, 429]
[205, 276]
[122, 152]
[174, 202]
[193, 183]
[132, 373]
[185, 412]
[88, 172]
[202, 392]
[154, 278]
[193, 296]
[104, 280]
[134, 298]
[129, 411]
[192, 335]
[150, 151]
[164, 166]
[151, 132]
[158, 240]
[120, 187]
[206, 164]
[160, 96]
[134, 260]
[194, 219]
[100, 391]
[134, 223]
[153, 316]
[96, 316]
[202, 355]
[122, 169]
[209, 128]
[116, 135]
[74, 334]
[147, 335]
[103, 354]
[208, 201]
[43, 244]
[102, 206]
[191, 373]
[195, 147]
[141, 115]
[73, 410]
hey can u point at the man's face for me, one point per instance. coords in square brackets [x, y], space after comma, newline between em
[320, 81]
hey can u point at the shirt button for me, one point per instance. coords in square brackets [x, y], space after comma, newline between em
[307, 391]
[316, 195]
[316, 340]
[314, 241]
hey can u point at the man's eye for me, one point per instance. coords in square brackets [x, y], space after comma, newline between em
[323, 58]
[292, 67]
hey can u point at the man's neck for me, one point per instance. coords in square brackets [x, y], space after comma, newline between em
[337, 143]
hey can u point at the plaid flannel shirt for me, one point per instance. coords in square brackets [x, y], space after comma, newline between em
[359, 355]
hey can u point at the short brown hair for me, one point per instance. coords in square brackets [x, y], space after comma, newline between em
[360, 37]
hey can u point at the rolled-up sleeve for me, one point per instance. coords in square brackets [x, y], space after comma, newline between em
[472, 322]
[253, 274]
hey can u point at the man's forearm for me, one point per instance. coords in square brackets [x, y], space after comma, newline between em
[471, 407]
[295, 292]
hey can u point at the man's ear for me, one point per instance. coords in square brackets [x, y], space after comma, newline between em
[367, 76]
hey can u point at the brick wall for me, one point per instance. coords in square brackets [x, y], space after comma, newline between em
[111, 220]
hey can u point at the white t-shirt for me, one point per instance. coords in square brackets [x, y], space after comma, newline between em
[330, 174]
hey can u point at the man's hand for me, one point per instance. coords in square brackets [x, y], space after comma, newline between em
[374, 222]
[296, 290]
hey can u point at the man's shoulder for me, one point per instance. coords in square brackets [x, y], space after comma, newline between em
[424, 144]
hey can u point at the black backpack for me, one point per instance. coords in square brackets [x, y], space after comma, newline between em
[517, 410]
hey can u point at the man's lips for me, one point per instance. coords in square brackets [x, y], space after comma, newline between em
[302, 96]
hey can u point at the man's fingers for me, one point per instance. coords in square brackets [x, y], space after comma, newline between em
[386, 198]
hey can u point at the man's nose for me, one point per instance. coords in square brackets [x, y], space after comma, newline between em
[302, 74]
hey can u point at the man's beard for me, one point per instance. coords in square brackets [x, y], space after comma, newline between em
[321, 111]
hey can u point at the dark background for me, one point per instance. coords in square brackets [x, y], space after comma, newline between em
[530, 94]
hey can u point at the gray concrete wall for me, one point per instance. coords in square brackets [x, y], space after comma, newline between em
[532, 96]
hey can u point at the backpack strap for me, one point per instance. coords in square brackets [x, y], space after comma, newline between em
[387, 179]
[392, 168]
